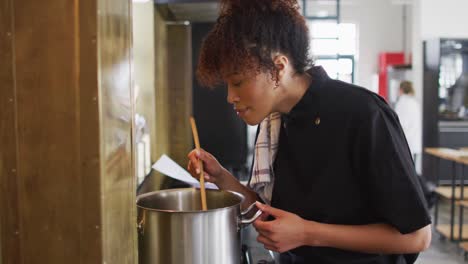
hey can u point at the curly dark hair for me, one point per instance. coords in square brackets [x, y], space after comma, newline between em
[246, 35]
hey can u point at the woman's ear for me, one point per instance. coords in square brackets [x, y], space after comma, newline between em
[281, 63]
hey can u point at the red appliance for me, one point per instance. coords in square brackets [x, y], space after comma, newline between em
[388, 59]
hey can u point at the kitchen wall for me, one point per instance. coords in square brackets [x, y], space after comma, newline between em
[417, 60]
[435, 19]
[380, 29]
[446, 18]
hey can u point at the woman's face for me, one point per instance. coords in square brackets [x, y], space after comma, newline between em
[251, 95]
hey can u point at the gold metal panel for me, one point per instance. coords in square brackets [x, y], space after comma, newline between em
[161, 144]
[180, 91]
[9, 226]
[90, 157]
[118, 185]
[67, 181]
[49, 183]
[162, 104]
[173, 82]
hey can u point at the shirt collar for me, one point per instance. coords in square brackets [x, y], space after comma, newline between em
[308, 105]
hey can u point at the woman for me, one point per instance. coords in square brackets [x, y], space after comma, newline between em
[331, 160]
[409, 113]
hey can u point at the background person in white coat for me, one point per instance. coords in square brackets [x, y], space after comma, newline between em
[409, 112]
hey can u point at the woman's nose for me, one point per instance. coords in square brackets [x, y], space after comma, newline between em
[232, 97]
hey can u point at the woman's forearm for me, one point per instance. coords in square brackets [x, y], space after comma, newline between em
[372, 238]
[229, 182]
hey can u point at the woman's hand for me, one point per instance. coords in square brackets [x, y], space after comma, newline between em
[213, 171]
[282, 234]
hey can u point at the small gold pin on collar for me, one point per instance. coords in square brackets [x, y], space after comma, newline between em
[317, 121]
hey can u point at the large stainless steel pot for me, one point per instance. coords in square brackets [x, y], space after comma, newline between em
[174, 230]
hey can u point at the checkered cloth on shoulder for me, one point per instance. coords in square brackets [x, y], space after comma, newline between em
[266, 147]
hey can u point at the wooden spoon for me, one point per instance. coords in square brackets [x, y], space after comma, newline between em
[202, 178]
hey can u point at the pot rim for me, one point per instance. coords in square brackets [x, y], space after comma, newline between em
[139, 197]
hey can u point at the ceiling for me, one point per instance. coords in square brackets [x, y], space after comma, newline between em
[189, 10]
[195, 12]
[207, 10]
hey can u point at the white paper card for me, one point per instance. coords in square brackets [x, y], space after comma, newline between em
[167, 166]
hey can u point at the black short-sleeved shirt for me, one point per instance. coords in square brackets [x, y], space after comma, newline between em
[343, 159]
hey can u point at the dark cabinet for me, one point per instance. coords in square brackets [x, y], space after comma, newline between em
[222, 132]
[445, 102]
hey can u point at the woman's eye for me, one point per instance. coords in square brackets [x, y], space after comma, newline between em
[237, 83]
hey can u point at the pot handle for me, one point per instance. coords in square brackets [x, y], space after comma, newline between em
[248, 221]
[141, 223]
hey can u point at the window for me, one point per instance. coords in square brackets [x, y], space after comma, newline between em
[320, 9]
[341, 69]
[334, 47]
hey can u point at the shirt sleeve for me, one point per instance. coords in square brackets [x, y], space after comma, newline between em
[388, 174]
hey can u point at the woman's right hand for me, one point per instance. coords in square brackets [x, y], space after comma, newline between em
[213, 171]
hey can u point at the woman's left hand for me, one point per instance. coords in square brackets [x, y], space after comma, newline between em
[286, 232]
